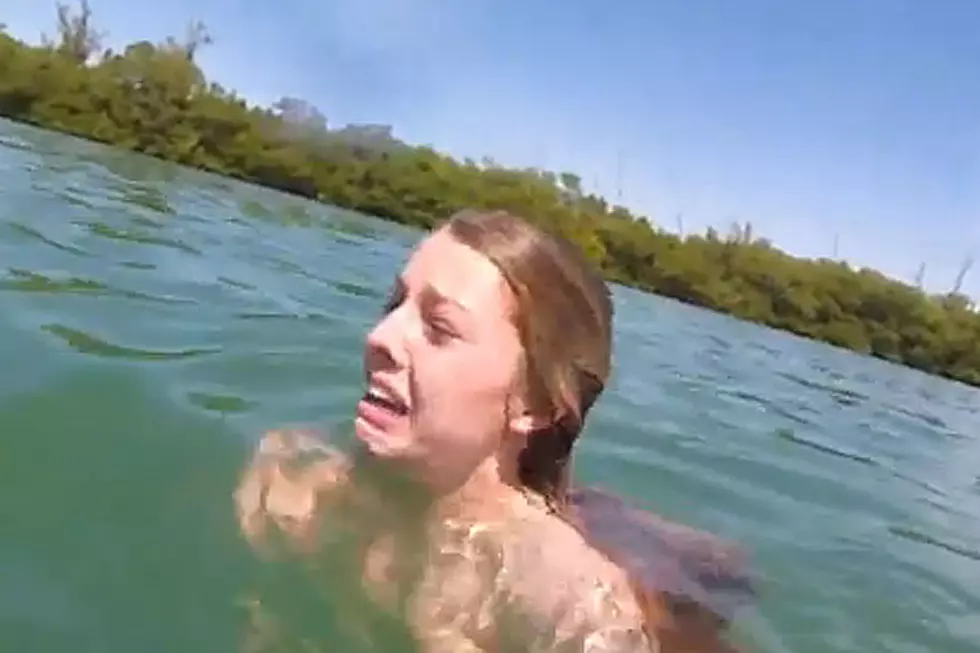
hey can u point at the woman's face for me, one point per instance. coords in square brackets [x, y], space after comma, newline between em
[442, 365]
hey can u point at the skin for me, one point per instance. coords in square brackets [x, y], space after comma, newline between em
[501, 571]
[449, 317]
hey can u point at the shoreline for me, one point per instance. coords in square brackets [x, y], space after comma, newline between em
[154, 99]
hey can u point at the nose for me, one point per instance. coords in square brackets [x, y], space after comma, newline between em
[385, 343]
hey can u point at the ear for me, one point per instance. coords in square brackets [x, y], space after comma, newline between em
[524, 422]
[522, 419]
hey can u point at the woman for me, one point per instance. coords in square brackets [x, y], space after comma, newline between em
[493, 347]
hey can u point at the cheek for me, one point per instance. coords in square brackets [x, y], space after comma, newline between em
[458, 394]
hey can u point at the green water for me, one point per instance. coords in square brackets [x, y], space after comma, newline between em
[154, 321]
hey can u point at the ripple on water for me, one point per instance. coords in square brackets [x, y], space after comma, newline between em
[146, 197]
[768, 405]
[220, 403]
[931, 488]
[144, 221]
[26, 281]
[240, 222]
[86, 343]
[137, 236]
[14, 143]
[790, 436]
[276, 315]
[917, 535]
[358, 228]
[355, 289]
[234, 283]
[280, 264]
[937, 424]
[34, 234]
[138, 265]
[841, 395]
[75, 200]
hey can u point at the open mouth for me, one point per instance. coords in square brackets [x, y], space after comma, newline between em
[385, 401]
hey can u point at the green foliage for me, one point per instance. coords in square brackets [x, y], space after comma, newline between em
[153, 98]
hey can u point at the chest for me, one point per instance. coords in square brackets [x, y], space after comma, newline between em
[447, 588]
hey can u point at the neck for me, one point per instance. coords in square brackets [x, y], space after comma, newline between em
[484, 494]
[389, 489]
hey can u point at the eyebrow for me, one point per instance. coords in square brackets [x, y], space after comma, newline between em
[430, 293]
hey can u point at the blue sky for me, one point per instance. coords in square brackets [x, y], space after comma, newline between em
[855, 118]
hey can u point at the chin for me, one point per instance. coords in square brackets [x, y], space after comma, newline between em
[383, 462]
[377, 442]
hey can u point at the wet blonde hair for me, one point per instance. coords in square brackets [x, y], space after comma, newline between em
[564, 318]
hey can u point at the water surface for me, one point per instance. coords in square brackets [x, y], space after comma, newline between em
[155, 320]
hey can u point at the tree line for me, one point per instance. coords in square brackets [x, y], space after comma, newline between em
[154, 98]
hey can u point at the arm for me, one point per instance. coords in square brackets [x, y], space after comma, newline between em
[289, 474]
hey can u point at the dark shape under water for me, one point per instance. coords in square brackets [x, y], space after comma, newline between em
[666, 558]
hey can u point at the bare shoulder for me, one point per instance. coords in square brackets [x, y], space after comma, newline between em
[574, 596]
[525, 581]
[290, 472]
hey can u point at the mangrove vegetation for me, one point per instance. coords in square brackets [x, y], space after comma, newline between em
[154, 98]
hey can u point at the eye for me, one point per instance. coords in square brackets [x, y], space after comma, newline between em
[439, 330]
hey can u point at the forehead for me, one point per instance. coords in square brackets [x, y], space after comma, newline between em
[458, 273]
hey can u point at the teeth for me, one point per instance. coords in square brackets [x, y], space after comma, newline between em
[383, 396]
[386, 398]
